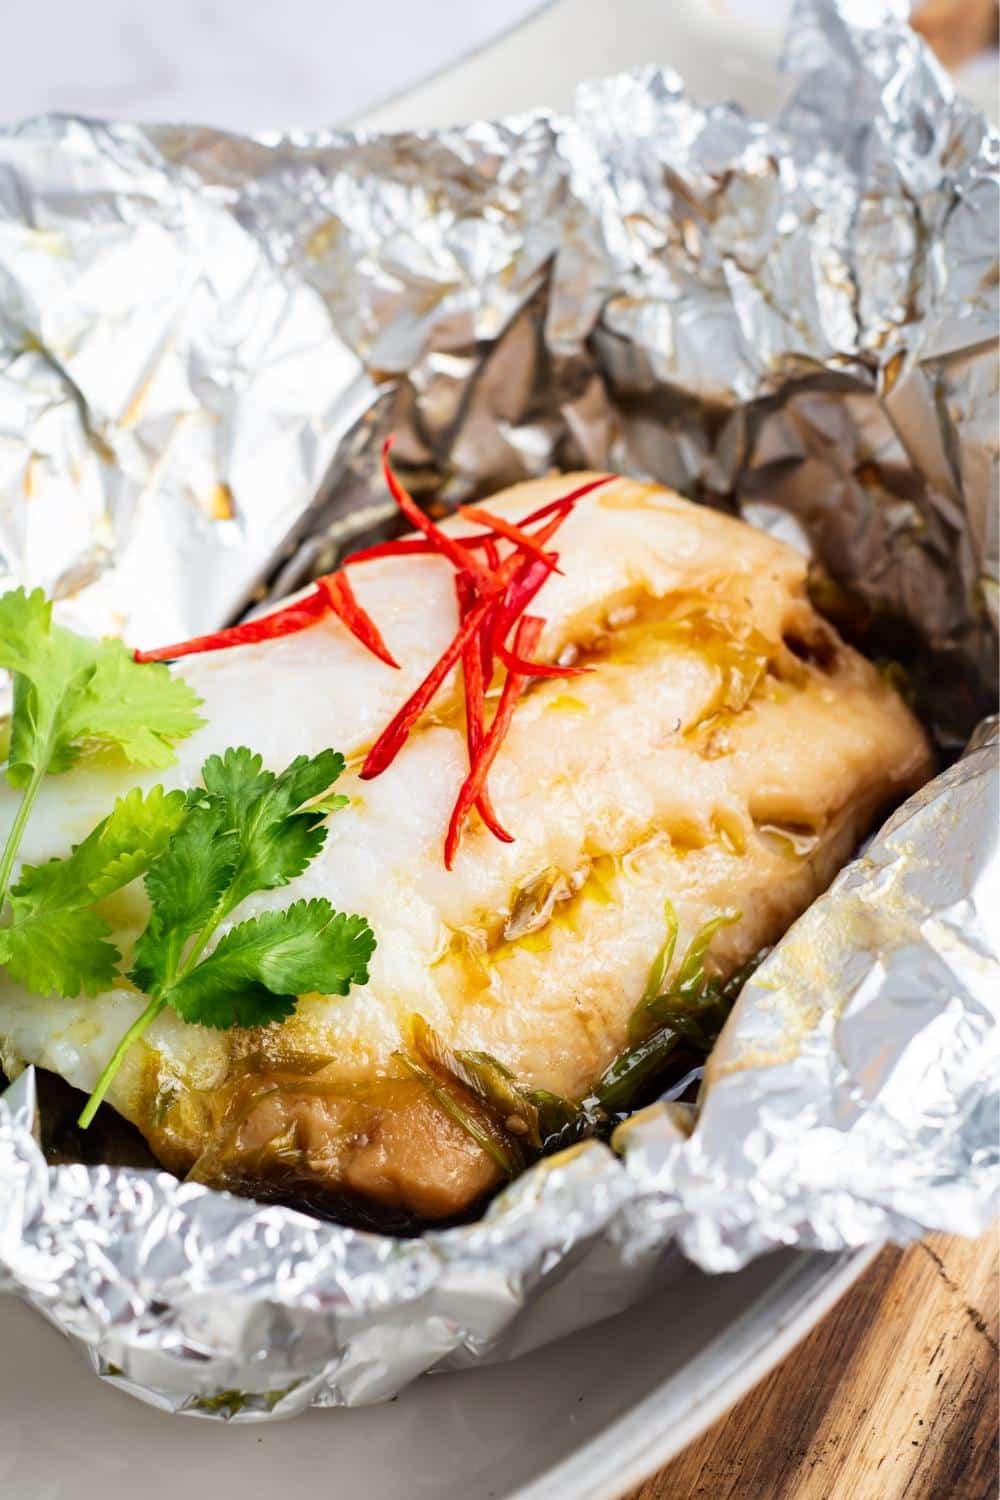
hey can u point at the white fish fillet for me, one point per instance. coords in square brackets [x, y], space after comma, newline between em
[727, 752]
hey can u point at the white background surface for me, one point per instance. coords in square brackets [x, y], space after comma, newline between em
[258, 64]
[248, 64]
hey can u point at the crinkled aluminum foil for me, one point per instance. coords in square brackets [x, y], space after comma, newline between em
[202, 339]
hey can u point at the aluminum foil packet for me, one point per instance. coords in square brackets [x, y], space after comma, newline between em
[203, 339]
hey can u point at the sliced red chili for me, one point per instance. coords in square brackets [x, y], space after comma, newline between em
[566, 500]
[358, 621]
[475, 698]
[493, 597]
[528, 630]
[559, 509]
[485, 630]
[486, 647]
[401, 547]
[521, 586]
[515, 663]
[306, 611]
[509, 531]
[520, 591]
[294, 617]
[447, 545]
[396, 732]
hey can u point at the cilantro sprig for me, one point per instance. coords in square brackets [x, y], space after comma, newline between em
[71, 692]
[244, 830]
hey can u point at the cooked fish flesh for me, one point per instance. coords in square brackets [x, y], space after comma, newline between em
[727, 751]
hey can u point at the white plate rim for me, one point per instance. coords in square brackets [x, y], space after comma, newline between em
[656, 1429]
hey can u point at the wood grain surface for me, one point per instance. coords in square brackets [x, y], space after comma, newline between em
[892, 1397]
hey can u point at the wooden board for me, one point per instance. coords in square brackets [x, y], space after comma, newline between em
[892, 1397]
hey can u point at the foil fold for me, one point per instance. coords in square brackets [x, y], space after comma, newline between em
[203, 338]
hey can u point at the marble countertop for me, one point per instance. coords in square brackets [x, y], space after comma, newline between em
[255, 64]
[245, 64]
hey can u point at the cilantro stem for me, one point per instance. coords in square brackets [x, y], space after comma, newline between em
[114, 1062]
[17, 828]
[149, 1015]
[222, 911]
[253, 810]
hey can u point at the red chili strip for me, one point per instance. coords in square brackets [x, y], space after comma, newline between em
[486, 629]
[509, 531]
[287, 621]
[400, 547]
[419, 546]
[515, 663]
[509, 600]
[522, 585]
[486, 646]
[475, 698]
[422, 546]
[528, 631]
[567, 500]
[396, 732]
[305, 612]
[520, 592]
[448, 546]
[358, 621]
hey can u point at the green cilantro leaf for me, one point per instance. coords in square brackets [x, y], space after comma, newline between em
[61, 952]
[331, 804]
[56, 942]
[244, 830]
[238, 778]
[278, 839]
[70, 691]
[121, 848]
[25, 619]
[185, 889]
[140, 707]
[257, 970]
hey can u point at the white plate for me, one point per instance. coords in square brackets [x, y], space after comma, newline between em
[586, 1418]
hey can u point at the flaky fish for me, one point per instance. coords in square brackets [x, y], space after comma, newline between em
[722, 757]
